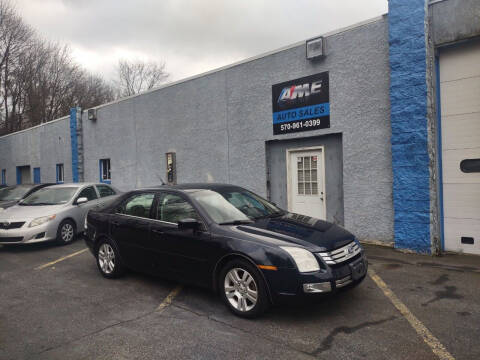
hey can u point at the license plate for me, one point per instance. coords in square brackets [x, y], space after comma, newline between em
[358, 269]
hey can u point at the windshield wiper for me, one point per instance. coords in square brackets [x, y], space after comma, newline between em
[272, 215]
[236, 222]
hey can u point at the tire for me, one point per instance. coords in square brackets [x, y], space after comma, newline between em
[243, 289]
[108, 259]
[66, 232]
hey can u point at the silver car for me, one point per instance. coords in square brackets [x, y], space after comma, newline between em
[53, 213]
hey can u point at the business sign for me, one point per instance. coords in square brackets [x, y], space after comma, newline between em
[301, 104]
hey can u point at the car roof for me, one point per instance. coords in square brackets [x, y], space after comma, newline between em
[78, 185]
[194, 186]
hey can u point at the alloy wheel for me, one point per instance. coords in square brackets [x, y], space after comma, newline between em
[67, 232]
[106, 258]
[241, 289]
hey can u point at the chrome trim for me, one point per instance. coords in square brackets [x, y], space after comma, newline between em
[144, 218]
[343, 281]
[342, 254]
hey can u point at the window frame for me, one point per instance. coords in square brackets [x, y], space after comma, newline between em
[160, 194]
[60, 173]
[85, 188]
[108, 178]
[124, 202]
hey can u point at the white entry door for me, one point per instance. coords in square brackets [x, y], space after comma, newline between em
[305, 169]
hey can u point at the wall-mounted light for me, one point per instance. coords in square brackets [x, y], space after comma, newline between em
[315, 48]
[92, 114]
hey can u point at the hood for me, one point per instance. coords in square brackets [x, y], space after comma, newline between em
[25, 213]
[314, 234]
[7, 203]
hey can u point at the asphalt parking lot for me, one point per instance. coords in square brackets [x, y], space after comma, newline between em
[427, 308]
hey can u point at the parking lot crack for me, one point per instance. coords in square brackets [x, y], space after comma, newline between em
[328, 341]
[96, 332]
[273, 340]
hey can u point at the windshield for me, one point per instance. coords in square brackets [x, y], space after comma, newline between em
[226, 207]
[50, 196]
[14, 192]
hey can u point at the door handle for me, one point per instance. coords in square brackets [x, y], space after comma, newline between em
[115, 223]
[158, 231]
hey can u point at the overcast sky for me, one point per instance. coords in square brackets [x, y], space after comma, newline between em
[191, 36]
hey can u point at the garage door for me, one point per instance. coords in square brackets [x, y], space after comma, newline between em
[460, 108]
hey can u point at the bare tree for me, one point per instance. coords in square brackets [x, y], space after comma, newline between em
[137, 76]
[39, 81]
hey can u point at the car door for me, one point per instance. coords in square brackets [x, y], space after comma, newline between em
[181, 253]
[130, 228]
[80, 211]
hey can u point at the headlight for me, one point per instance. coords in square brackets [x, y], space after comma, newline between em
[304, 259]
[41, 220]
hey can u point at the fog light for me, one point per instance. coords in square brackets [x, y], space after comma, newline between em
[39, 236]
[317, 287]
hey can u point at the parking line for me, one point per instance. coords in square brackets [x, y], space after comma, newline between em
[61, 259]
[436, 346]
[168, 300]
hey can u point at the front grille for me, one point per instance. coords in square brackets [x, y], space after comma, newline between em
[11, 239]
[11, 225]
[342, 254]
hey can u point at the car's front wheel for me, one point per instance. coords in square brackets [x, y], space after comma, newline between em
[108, 259]
[66, 232]
[243, 289]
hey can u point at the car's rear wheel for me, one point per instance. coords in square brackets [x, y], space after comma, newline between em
[243, 289]
[108, 259]
[66, 232]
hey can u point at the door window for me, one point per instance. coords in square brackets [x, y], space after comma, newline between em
[307, 175]
[105, 190]
[173, 208]
[89, 193]
[138, 205]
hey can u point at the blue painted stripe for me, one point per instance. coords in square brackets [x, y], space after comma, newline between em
[439, 152]
[4, 177]
[303, 113]
[74, 143]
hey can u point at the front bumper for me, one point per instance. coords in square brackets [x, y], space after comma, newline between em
[288, 284]
[28, 235]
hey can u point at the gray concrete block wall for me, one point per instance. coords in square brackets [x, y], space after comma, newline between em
[454, 20]
[218, 125]
[43, 146]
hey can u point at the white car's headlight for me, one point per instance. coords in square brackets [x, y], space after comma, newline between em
[41, 220]
[304, 259]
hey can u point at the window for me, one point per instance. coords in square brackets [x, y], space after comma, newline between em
[60, 174]
[470, 165]
[89, 193]
[173, 208]
[138, 205]
[307, 175]
[4, 177]
[105, 190]
[105, 175]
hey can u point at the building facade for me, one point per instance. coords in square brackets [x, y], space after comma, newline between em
[381, 133]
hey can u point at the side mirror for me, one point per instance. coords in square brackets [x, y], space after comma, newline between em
[188, 223]
[81, 201]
